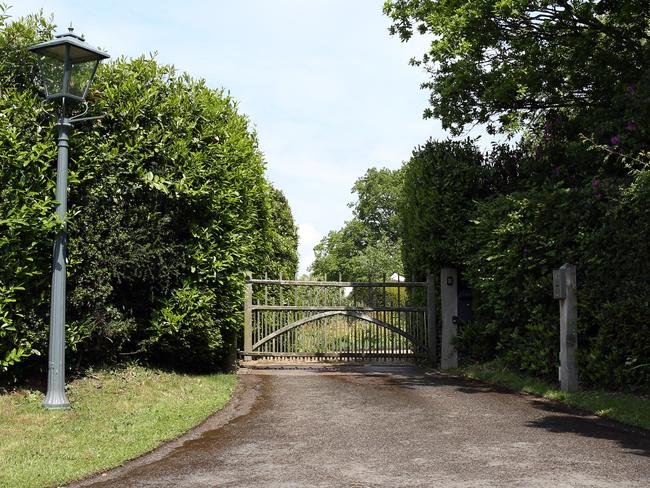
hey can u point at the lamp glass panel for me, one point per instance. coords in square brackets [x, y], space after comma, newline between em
[52, 73]
[80, 78]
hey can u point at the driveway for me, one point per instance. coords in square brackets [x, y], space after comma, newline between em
[393, 426]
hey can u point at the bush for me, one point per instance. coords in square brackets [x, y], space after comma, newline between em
[27, 222]
[168, 206]
[441, 182]
[505, 235]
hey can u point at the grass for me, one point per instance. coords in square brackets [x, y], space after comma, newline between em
[624, 407]
[116, 415]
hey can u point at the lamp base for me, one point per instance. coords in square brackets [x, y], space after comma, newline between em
[56, 401]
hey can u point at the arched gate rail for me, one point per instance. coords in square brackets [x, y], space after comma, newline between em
[357, 320]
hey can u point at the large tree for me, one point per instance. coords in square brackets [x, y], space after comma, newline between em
[282, 244]
[508, 62]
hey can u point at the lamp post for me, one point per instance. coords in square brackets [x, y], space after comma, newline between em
[68, 66]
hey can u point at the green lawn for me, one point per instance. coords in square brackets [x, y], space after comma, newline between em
[624, 407]
[115, 416]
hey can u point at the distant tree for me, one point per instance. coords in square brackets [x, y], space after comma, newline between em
[378, 194]
[509, 62]
[369, 244]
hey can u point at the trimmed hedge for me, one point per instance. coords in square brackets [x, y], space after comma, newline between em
[168, 206]
[505, 220]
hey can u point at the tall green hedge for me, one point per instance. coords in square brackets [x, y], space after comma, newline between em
[441, 182]
[168, 207]
[506, 219]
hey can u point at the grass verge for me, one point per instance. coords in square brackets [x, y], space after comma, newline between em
[116, 415]
[626, 408]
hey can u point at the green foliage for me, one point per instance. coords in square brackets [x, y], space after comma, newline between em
[369, 244]
[506, 237]
[27, 221]
[502, 62]
[378, 197]
[171, 205]
[517, 242]
[168, 206]
[574, 76]
[282, 246]
[441, 182]
[352, 253]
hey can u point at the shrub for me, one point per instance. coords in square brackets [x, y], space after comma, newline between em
[505, 237]
[168, 206]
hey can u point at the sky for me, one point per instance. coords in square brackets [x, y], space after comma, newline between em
[329, 92]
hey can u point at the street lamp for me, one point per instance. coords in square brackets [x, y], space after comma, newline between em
[68, 66]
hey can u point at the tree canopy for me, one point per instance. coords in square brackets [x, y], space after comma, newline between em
[369, 244]
[573, 76]
[509, 62]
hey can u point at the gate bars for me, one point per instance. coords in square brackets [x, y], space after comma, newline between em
[340, 320]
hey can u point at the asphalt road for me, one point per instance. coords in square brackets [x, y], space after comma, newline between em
[390, 426]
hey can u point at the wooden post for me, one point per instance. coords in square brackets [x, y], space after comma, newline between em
[432, 330]
[449, 313]
[565, 289]
[248, 318]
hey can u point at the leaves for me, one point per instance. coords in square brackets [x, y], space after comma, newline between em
[506, 62]
[505, 228]
[168, 206]
[369, 244]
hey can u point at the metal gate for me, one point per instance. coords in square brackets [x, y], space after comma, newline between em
[359, 320]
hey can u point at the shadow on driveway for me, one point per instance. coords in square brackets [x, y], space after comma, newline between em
[575, 421]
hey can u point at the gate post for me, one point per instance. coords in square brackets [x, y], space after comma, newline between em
[565, 289]
[449, 313]
[432, 330]
[248, 318]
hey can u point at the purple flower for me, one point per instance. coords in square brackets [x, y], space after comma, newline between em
[595, 183]
[599, 196]
[631, 88]
[615, 140]
[631, 125]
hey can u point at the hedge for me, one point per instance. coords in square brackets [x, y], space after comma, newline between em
[168, 207]
[506, 219]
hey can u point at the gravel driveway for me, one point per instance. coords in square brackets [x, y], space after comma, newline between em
[394, 426]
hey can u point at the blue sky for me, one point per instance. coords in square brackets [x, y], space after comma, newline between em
[328, 90]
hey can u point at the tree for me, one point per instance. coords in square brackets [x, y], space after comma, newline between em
[509, 62]
[378, 196]
[369, 244]
[575, 76]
